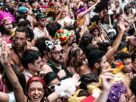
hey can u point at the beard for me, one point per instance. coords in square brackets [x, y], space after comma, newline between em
[59, 60]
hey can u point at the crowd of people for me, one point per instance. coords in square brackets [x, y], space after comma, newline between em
[67, 51]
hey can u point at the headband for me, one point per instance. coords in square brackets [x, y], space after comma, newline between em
[32, 79]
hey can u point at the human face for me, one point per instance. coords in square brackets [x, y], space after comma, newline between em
[104, 64]
[42, 22]
[80, 57]
[128, 65]
[134, 65]
[117, 3]
[63, 14]
[96, 32]
[72, 39]
[8, 25]
[37, 65]
[20, 40]
[129, 10]
[36, 91]
[57, 54]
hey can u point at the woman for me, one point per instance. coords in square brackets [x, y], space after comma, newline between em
[76, 60]
[98, 37]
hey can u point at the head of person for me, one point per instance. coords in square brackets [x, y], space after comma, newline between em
[41, 19]
[89, 82]
[22, 11]
[31, 60]
[9, 3]
[104, 46]
[52, 28]
[117, 3]
[20, 38]
[97, 60]
[35, 89]
[133, 57]
[86, 40]
[95, 31]
[6, 21]
[40, 44]
[65, 36]
[126, 59]
[76, 56]
[127, 9]
[51, 80]
[57, 54]
[64, 14]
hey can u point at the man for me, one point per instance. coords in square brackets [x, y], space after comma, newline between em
[41, 30]
[23, 12]
[68, 40]
[56, 62]
[31, 60]
[126, 59]
[19, 45]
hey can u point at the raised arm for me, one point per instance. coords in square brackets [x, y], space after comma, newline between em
[87, 11]
[116, 43]
[18, 91]
[106, 83]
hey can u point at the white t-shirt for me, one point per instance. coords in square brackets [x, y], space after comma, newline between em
[38, 33]
[11, 97]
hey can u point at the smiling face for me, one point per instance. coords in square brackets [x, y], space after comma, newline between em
[36, 91]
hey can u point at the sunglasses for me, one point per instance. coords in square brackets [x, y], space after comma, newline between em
[53, 87]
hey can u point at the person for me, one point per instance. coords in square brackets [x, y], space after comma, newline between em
[41, 30]
[7, 20]
[51, 80]
[19, 45]
[32, 62]
[97, 36]
[126, 59]
[40, 44]
[56, 60]
[68, 40]
[76, 60]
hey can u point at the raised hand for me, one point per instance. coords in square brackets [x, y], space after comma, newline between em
[121, 26]
[4, 53]
[106, 81]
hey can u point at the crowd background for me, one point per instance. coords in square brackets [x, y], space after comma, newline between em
[67, 51]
